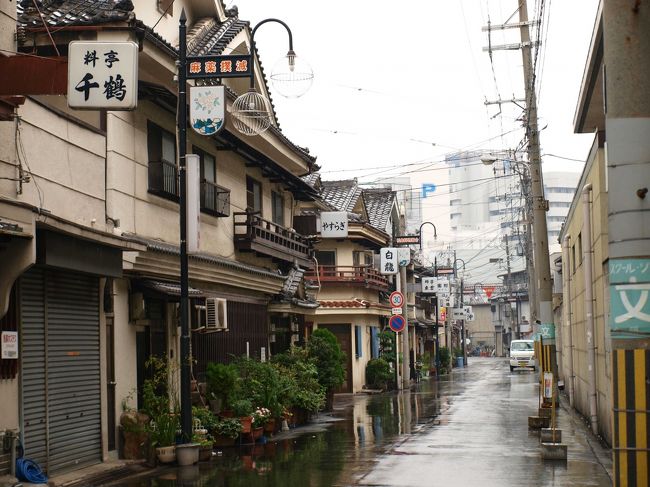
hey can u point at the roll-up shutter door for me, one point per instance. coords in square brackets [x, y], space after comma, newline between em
[61, 405]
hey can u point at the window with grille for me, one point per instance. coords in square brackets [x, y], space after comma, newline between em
[163, 171]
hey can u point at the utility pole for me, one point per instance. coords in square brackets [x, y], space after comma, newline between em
[543, 296]
[406, 359]
[509, 286]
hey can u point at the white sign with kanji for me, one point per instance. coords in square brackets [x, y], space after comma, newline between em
[429, 285]
[388, 261]
[103, 75]
[334, 224]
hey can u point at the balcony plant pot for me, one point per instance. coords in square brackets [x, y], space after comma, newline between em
[166, 454]
[187, 454]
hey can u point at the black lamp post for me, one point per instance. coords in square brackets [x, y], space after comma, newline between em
[435, 232]
[252, 117]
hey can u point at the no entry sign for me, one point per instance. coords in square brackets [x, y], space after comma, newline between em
[397, 323]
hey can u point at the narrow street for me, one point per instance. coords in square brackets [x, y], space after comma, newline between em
[467, 429]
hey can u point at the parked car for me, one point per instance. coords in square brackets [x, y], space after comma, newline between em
[522, 354]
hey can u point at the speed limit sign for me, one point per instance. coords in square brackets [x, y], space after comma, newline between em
[396, 299]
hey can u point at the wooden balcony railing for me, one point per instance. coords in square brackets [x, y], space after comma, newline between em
[163, 179]
[358, 275]
[253, 233]
[215, 199]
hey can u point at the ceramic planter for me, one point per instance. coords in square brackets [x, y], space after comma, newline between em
[246, 424]
[257, 433]
[166, 454]
[187, 454]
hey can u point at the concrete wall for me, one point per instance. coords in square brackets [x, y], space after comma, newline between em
[576, 324]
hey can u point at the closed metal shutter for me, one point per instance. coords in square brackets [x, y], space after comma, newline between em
[61, 369]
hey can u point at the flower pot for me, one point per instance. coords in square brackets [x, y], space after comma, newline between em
[269, 427]
[221, 441]
[205, 453]
[257, 433]
[166, 454]
[246, 424]
[187, 454]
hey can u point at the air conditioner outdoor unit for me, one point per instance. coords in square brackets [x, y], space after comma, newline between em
[216, 317]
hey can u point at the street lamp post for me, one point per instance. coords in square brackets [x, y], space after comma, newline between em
[435, 273]
[251, 118]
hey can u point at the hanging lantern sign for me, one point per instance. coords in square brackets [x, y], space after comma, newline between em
[207, 109]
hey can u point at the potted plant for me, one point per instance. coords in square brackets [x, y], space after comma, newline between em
[221, 383]
[242, 409]
[160, 404]
[226, 431]
[378, 374]
[261, 416]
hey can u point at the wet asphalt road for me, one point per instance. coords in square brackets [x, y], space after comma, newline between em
[466, 429]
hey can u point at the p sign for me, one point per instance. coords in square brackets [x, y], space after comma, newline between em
[428, 188]
[397, 323]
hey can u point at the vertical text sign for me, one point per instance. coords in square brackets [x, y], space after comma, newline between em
[103, 75]
[388, 261]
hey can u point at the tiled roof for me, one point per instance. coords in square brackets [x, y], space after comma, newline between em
[351, 303]
[343, 195]
[294, 290]
[208, 36]
[167, 248]
[72, 12]
[379, 203]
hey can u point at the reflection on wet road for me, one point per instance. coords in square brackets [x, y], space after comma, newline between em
[466, 429]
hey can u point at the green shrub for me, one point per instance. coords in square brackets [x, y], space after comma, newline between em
[444, 357]
[378, 373]
[328, 357]
[299, 377]
[221, 382]
[230, 427]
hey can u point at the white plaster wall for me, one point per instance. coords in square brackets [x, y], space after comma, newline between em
[125, 348]
[67, 164]
[9, 398]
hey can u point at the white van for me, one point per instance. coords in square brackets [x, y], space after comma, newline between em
[522, 354]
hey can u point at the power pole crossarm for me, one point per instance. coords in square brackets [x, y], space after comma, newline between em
[515, 25]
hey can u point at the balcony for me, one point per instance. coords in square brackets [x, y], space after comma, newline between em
[215, 199]
[163, 179]
[357, 275]
[254, 234]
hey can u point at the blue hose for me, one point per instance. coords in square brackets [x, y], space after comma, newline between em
[29, 471]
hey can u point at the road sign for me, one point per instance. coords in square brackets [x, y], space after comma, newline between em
[396, 311]
[396, 299]
[457, 313]
[407, 240]
[397, 323]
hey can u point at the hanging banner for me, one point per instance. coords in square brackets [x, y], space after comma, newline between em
[207, 109]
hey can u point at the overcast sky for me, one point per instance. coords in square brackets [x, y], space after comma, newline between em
[402, 83]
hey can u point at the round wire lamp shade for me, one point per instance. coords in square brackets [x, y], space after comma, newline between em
[251, 113]
[292, 76]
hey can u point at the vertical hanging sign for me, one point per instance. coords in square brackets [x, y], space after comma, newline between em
[207, 109]
[103, 75]
[388, 261]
